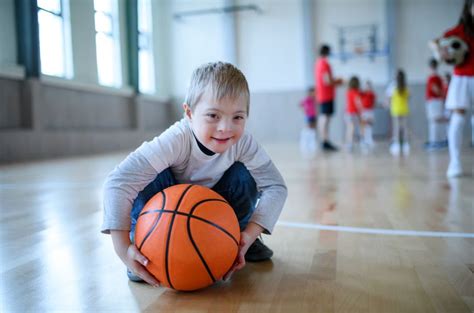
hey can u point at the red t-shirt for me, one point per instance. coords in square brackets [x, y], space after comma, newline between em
[445, 89]
[434, 80]
[467, 67]
[324, 92]
[368, 100]
[351, 97]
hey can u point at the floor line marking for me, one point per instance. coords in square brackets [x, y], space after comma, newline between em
[14, 186]
[379, 231]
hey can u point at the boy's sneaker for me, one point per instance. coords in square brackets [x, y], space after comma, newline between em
[258, 252]
[134, 277]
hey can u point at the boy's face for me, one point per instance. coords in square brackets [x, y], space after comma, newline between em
[218, 124]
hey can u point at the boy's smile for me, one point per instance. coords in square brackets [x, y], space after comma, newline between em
[218, 124]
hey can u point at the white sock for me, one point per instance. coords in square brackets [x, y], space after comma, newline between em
[440, 132]
[312, 139]
[432, 136]
[472, 130]
[308, 140]
[303, 140]
[455, 131]
[368, 134]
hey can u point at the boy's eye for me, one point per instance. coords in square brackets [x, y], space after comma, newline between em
[239, 117]
[212, 115]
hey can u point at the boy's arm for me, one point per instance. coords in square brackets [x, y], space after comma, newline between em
[122, 187]
[273, 195]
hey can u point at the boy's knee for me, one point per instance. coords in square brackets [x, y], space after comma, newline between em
[239, 172]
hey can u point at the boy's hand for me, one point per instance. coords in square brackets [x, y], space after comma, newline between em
[239, 262]
[131, 257]
[137, 262]
[247, 237]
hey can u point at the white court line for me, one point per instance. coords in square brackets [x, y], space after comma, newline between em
[55, 185]
[379, 231]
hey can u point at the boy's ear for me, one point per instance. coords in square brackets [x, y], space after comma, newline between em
[187, 110]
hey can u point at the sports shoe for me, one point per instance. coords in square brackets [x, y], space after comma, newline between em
[327, 146]
[406, 148]
[258, 252]
[395, 149]
[133, 277]
[454, 170]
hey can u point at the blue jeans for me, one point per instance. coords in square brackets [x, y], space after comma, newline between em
[237, 186]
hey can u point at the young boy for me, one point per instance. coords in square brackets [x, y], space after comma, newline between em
[209, 147]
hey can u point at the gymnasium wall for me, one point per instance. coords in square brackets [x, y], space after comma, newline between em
[43, 119]
[7, 34]
[418, 22]
[54, 117]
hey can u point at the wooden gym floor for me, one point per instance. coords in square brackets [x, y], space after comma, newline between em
[359, 233]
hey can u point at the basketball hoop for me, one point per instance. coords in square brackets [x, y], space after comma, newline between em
[359, 50]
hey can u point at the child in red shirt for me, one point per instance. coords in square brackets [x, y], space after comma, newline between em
[434, 108]
[353, 109]
[367, 115]
[308, 136]
[326, 85]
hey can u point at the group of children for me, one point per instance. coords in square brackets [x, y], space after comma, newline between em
[359, 116]
[359, 113]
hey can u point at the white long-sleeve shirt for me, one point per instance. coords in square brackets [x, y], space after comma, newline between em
[177, 149]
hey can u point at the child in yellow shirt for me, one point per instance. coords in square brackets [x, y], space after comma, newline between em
[399, 110]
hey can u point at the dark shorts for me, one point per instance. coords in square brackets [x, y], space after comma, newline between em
[327, 108]
[310, 119]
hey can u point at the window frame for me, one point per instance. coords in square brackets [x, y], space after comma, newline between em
[114, 36]
[66, 45]
[150, 87]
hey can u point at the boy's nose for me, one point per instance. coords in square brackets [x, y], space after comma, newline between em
[224, 125]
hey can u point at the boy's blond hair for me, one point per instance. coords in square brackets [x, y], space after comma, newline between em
[221, 79]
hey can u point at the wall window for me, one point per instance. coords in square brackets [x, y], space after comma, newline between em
[107, 43]
[55, 38]
[145, 48]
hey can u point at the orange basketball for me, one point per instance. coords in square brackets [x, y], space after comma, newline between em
[190, 236]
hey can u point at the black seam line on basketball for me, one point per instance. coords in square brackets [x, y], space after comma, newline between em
[192, 239]
[200, 219]
[203, 261]
[170, 228]
[155, 223]
[209, 222]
